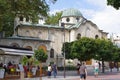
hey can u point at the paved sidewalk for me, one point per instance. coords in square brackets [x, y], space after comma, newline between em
[102, 76]
[72, 75]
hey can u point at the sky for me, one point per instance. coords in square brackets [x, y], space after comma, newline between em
[104, 16]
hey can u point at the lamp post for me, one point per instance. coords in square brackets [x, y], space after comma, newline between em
[62, 24]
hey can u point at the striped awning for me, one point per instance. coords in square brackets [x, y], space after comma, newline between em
[5, 51]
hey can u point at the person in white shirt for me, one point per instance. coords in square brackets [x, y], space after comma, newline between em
[49, 71]
[96, 69]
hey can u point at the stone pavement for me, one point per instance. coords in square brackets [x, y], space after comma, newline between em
[72, 75]
[115, 76]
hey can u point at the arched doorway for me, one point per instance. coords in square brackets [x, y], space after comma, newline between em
[43, 47]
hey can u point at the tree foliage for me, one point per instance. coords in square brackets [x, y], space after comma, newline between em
[67, 46]
[116, 55]
[27, 8]
[104, 49]
[25, 60]
[40, 55]
[114, 3]
[53, 19]
[88, 48]
[83, 49]
[104, 52]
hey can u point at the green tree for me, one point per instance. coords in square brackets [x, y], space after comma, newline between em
[116, 56]
[68, 48]
[24, 60]
[41, 56]
[53, 19]
[104, 49]
[27, 8]
[83, 49]
[114, 3]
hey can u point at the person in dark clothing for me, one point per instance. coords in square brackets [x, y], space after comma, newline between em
[78, 67]
[54, 69]
[99, 66]
[83, 71]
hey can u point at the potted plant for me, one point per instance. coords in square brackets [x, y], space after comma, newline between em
[28, 64]
[33, 63]
[41, 56]
[25, 62]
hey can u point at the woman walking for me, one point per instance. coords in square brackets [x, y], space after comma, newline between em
[49, 71]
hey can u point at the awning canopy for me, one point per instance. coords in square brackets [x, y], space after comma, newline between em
[1, 51]
[5, 51]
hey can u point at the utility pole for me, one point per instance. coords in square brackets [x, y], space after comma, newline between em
[62, 24]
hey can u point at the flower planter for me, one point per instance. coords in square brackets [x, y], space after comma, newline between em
[2, 72]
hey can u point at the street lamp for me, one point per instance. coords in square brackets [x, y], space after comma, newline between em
[62, 24]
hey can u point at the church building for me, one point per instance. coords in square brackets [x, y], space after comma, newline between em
[72, 25]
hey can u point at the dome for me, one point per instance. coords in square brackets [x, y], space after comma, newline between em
[71, 12]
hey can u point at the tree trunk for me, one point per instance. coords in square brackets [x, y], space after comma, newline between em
[40, 70]
[117, 66]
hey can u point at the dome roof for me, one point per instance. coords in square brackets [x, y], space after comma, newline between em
[71, 12]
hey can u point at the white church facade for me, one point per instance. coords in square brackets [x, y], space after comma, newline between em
[51, 38]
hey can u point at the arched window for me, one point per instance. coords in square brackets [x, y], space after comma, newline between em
[87, 32]
[96, 36]
[78, 36]
[27, 33]
[52, 53]
[21, 18]
[15, 45]
[40, 34]
[43, 47]
[27, 19]
[67, 19]
[77, 19]
[29, 47]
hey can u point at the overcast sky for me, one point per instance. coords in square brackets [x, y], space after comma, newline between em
[105, 17]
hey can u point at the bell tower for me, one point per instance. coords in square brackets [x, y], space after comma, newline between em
[70, 17]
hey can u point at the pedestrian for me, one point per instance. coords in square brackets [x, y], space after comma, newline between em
[96, 69]
[83, 71]
[49, 71]
[78, 67]
[99, 66]
[34, 69]
[54, 69]
[21, 71]
[111, 65]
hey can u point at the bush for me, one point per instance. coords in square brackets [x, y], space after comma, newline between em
[69, 68]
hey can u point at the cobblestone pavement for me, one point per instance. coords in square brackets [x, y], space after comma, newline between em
[105, 76]
[72, 75]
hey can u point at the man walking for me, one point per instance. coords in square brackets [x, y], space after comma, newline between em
[54, 68]
[83, 72]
